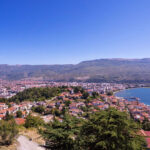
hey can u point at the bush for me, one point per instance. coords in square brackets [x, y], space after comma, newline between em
[19, 114]
[32, 121]
[8, 116]
[109, 93]
[8, 131]
[39, 109]
[85, 95]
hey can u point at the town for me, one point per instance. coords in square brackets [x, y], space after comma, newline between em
[8, 89]
[11, 88]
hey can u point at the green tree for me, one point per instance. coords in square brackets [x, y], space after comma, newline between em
[33, 121]
[39, 109]
[57, 112]
[85, 95]
[19, 114]
[64, 110]
[110, 130]
[8, 131]
[109, 93]
[36, 94]
[61, 135]
[67, 103]
[95, 94]
[76, 89]
[8, 116]
[3, 100]
[146, 124]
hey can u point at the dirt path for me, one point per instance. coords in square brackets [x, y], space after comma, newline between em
[26, 144]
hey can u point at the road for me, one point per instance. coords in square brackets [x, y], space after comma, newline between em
[26, 144]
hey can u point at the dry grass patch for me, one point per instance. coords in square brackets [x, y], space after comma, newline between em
[32, 134]
[11, 147]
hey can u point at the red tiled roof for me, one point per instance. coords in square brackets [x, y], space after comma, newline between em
[2, 103]
[2, 116]
[148, 142]
[147, 133]
[3, 111]
[20, 121]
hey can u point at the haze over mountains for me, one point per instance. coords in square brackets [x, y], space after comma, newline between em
[100, 70]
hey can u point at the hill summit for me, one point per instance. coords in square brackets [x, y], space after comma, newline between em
[99, 70]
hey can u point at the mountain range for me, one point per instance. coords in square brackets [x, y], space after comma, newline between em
[100, 70]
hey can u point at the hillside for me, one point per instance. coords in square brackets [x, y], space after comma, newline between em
[101, 70]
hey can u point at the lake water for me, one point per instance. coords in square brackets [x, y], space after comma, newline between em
[142, 93]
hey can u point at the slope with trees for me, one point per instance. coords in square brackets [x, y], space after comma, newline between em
[36, 94]
[105, 130]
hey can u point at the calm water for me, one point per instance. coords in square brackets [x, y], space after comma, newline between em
[142, 93]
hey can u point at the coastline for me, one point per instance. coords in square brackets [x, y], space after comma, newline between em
[141, 99]
[129, 89]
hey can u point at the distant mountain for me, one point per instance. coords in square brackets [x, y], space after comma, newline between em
[100, 70]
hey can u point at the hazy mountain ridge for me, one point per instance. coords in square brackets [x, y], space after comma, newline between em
[100, 70]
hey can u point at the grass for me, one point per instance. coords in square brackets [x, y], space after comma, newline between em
[32, 133]
[10, 147]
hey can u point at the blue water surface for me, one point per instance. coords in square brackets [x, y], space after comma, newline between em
[142, 93]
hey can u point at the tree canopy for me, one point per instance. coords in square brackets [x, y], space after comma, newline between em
[19, 114]
[110, 130]
[8, 131]
[62, 135]
[36, 94]
[39, 109]
[33, 121]
[105, 130]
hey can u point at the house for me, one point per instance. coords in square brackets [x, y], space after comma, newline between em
[20, 121]
[146, 134]
[3, 112]
[13, 110]
[3, 106]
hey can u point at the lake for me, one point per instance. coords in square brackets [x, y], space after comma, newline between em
[142, 93]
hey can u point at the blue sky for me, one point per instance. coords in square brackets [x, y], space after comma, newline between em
[70, 31]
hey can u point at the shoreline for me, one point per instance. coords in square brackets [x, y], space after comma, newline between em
[131, 89]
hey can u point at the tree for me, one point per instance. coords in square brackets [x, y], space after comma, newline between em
[85, 95]
[8, 116]
[33, 121]
[36, 94]
[105, 130]
[19, 114]
[110, 130]
[3, 100]
[64, 110]
[109, 93]
[8, 131]
[76, 89]
[146, 124]
[61, 135]
[39, 109]
[95, 94]
[67, 103]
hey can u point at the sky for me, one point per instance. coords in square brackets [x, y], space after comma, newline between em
[71, 31]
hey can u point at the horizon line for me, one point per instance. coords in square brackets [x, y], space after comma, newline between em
[115, 58]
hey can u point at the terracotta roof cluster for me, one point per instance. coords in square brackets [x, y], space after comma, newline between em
[146, 134]
[20, 121]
